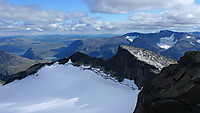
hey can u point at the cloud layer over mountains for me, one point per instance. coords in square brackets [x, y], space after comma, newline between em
[142, 15]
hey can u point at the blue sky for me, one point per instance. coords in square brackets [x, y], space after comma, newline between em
[72, 6]
[61, 5]
[197, 1]
[97, 16]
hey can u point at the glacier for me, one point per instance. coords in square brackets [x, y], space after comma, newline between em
[66, 89]
[167, 42]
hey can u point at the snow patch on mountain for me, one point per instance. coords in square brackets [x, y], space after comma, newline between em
[167, 42]
[131, 38]
[149, 57]
[192, 43]
[66, 89]
[198, 40]
[188, 37]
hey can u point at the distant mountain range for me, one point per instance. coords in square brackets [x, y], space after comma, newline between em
[168, 43]
[105, 47]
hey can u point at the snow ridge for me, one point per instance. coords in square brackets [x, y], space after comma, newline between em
[149, 57]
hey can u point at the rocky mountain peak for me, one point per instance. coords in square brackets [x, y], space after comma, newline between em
[175, 89]
[149, 57]
[128, 63]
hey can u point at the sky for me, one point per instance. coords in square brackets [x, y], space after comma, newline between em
[18, 17]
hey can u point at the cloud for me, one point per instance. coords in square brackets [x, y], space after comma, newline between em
[124, 6]
[31, 13]
[30, 19]
[185, 17]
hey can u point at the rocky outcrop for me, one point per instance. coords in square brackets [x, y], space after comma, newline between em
[130, 62]
[175, 89]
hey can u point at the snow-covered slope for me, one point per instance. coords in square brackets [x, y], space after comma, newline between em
[66, 89]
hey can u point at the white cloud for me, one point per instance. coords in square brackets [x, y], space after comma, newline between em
[31, 13]
[124, 6]
[180, 17]
[176, 15]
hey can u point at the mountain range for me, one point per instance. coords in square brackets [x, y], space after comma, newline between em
[168, 43]
[105, 47]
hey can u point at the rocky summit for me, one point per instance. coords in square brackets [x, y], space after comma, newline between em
[175, 89]
[130, 62]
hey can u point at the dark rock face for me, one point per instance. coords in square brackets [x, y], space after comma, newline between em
[175, 89]
[31, 55]
[124, 64]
